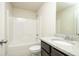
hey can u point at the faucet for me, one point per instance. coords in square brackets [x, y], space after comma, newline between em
[71, 37]
[67, 37]
[74, 38]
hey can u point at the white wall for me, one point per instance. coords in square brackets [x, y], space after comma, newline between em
[47, 19]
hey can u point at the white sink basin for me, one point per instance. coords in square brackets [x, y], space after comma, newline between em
[63, 42]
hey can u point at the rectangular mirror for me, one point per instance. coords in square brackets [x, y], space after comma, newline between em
[67, 18]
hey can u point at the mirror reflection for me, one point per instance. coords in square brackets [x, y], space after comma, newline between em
[67, 20]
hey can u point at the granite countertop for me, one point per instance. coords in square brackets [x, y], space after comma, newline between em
[71, 50]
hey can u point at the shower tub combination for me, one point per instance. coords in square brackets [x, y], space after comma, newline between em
[23, 33]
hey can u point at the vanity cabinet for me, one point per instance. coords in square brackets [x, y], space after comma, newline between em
[47, 50]
[55, 52]
[44, 53]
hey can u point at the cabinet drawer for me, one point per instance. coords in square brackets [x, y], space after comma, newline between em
[43, 53]
[45, 46]
[55, 52]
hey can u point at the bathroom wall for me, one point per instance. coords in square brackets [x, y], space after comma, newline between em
[46, 19]
[66, 21]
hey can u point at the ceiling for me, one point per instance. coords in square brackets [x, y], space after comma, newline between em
[62, 5]
[33, 6]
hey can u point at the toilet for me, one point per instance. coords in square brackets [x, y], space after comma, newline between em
[35, 50]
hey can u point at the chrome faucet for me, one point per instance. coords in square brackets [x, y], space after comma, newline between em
[67, 37]
[71, 37]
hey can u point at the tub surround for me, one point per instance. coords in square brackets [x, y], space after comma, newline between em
[71, 50]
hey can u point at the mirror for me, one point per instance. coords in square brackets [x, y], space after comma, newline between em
[67, 19]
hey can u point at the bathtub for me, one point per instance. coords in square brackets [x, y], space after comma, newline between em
[19, 49]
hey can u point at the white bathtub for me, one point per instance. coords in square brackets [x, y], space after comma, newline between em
[18, 49]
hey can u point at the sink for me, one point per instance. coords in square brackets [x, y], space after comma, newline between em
[63, 42]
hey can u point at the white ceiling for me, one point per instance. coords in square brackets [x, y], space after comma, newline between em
[34, 6]
[62, 5]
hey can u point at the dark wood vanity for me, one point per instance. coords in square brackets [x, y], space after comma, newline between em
[47, 50]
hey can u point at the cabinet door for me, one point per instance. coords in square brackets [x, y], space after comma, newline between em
[55, 52]
[43, 53]
[45, 46]
[2, 27]
[2, 20]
